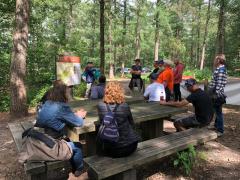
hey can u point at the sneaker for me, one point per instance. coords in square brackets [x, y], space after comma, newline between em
[219, 134]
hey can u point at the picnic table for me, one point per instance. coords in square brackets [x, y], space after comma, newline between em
[150, 116]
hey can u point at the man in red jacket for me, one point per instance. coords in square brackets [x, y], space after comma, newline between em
[178, 72]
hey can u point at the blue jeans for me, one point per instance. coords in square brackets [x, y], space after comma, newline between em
[77, 159]
[219, 118]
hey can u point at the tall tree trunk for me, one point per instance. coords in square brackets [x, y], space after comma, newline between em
[124, 35]
[94, 14]
[18, 105]
[198, 34]
[157, 35]
[192, 43]
[110, 51]
[221, 28]
[102, 49]
[205, 36]
[138, 29]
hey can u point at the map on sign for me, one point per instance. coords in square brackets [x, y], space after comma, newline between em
[69, 70]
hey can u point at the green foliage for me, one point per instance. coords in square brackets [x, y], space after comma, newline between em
[4, 101]
[35, 93]
[186, 159]
[79, 90]
[199, 75]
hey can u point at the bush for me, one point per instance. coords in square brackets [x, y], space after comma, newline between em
[79, 90]
[4, 101]
[199, 75]
[35, 93]
[185, 159]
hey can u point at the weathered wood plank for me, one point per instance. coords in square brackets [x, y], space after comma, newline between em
[16, 131]
[153, 152]
[27, 124]
[141, 112]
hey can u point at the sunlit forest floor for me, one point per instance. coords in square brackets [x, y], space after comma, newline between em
[220, 158]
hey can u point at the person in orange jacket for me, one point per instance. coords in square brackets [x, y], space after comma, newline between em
[166, 78]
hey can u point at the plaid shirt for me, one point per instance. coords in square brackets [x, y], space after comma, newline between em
[219, 80]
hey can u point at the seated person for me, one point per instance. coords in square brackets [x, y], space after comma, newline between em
[97, 91]
[155, 91]
[202, 104]
[114, 100]
[55, 114]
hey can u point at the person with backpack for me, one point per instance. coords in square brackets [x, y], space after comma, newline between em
[88, 76]
[116, 136]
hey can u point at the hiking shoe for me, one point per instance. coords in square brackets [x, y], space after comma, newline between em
[219, 134]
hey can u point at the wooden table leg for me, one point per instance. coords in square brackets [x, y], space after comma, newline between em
[90, 143]
[152, 129]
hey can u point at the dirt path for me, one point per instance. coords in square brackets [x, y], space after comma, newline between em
[222, 156]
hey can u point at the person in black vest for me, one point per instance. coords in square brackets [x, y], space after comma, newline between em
[114, 100]
[202, 104]
[136, 79]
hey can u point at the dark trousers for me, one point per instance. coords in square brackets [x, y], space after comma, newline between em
[168, 94]
[219, 125]
[109, 150]
[177, 92]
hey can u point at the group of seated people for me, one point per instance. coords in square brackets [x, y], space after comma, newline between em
[55, 115]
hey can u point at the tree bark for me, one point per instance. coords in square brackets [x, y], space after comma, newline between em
[157, 35]
[18, 104]
[124, 35]
[102, 49]
[138, 29]
[198, 34]
[221, 28]
[110, 51]
[205, 36]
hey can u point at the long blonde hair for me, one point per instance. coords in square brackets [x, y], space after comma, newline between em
[114, 93]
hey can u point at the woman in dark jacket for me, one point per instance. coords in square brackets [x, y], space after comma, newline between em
[128, 139]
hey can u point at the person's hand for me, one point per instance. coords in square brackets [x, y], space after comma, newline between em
[163, 102]
[81, 113]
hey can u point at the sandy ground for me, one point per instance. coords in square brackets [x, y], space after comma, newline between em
[221, 157]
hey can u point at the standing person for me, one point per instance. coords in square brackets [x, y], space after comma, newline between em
[136, 79]
[202, 103]
[114, 100]
[97, 91]
[166, 78]
[53, 118]
[157, 67]
[89, 75]
[177, 72]
[155, 92]
[217, 85]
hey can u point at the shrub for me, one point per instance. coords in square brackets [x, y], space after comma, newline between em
[35, 93]
[185, 159]
[79, 90]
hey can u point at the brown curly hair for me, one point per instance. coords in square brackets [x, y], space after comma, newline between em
[114, 93]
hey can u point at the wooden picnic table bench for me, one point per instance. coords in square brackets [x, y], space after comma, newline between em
[148, 151]
[149, 116]
[40, 170]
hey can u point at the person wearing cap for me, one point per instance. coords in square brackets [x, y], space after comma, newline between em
[158, 67]
[217, 85]
[202, 105]
[89, 73]
[136, 79]
[166, 78]
[155, 91]
[177, 72]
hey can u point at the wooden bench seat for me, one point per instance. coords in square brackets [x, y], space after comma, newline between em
[40, 169]
[148, 151]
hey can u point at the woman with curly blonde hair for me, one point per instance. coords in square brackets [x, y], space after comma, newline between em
[114, 100]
